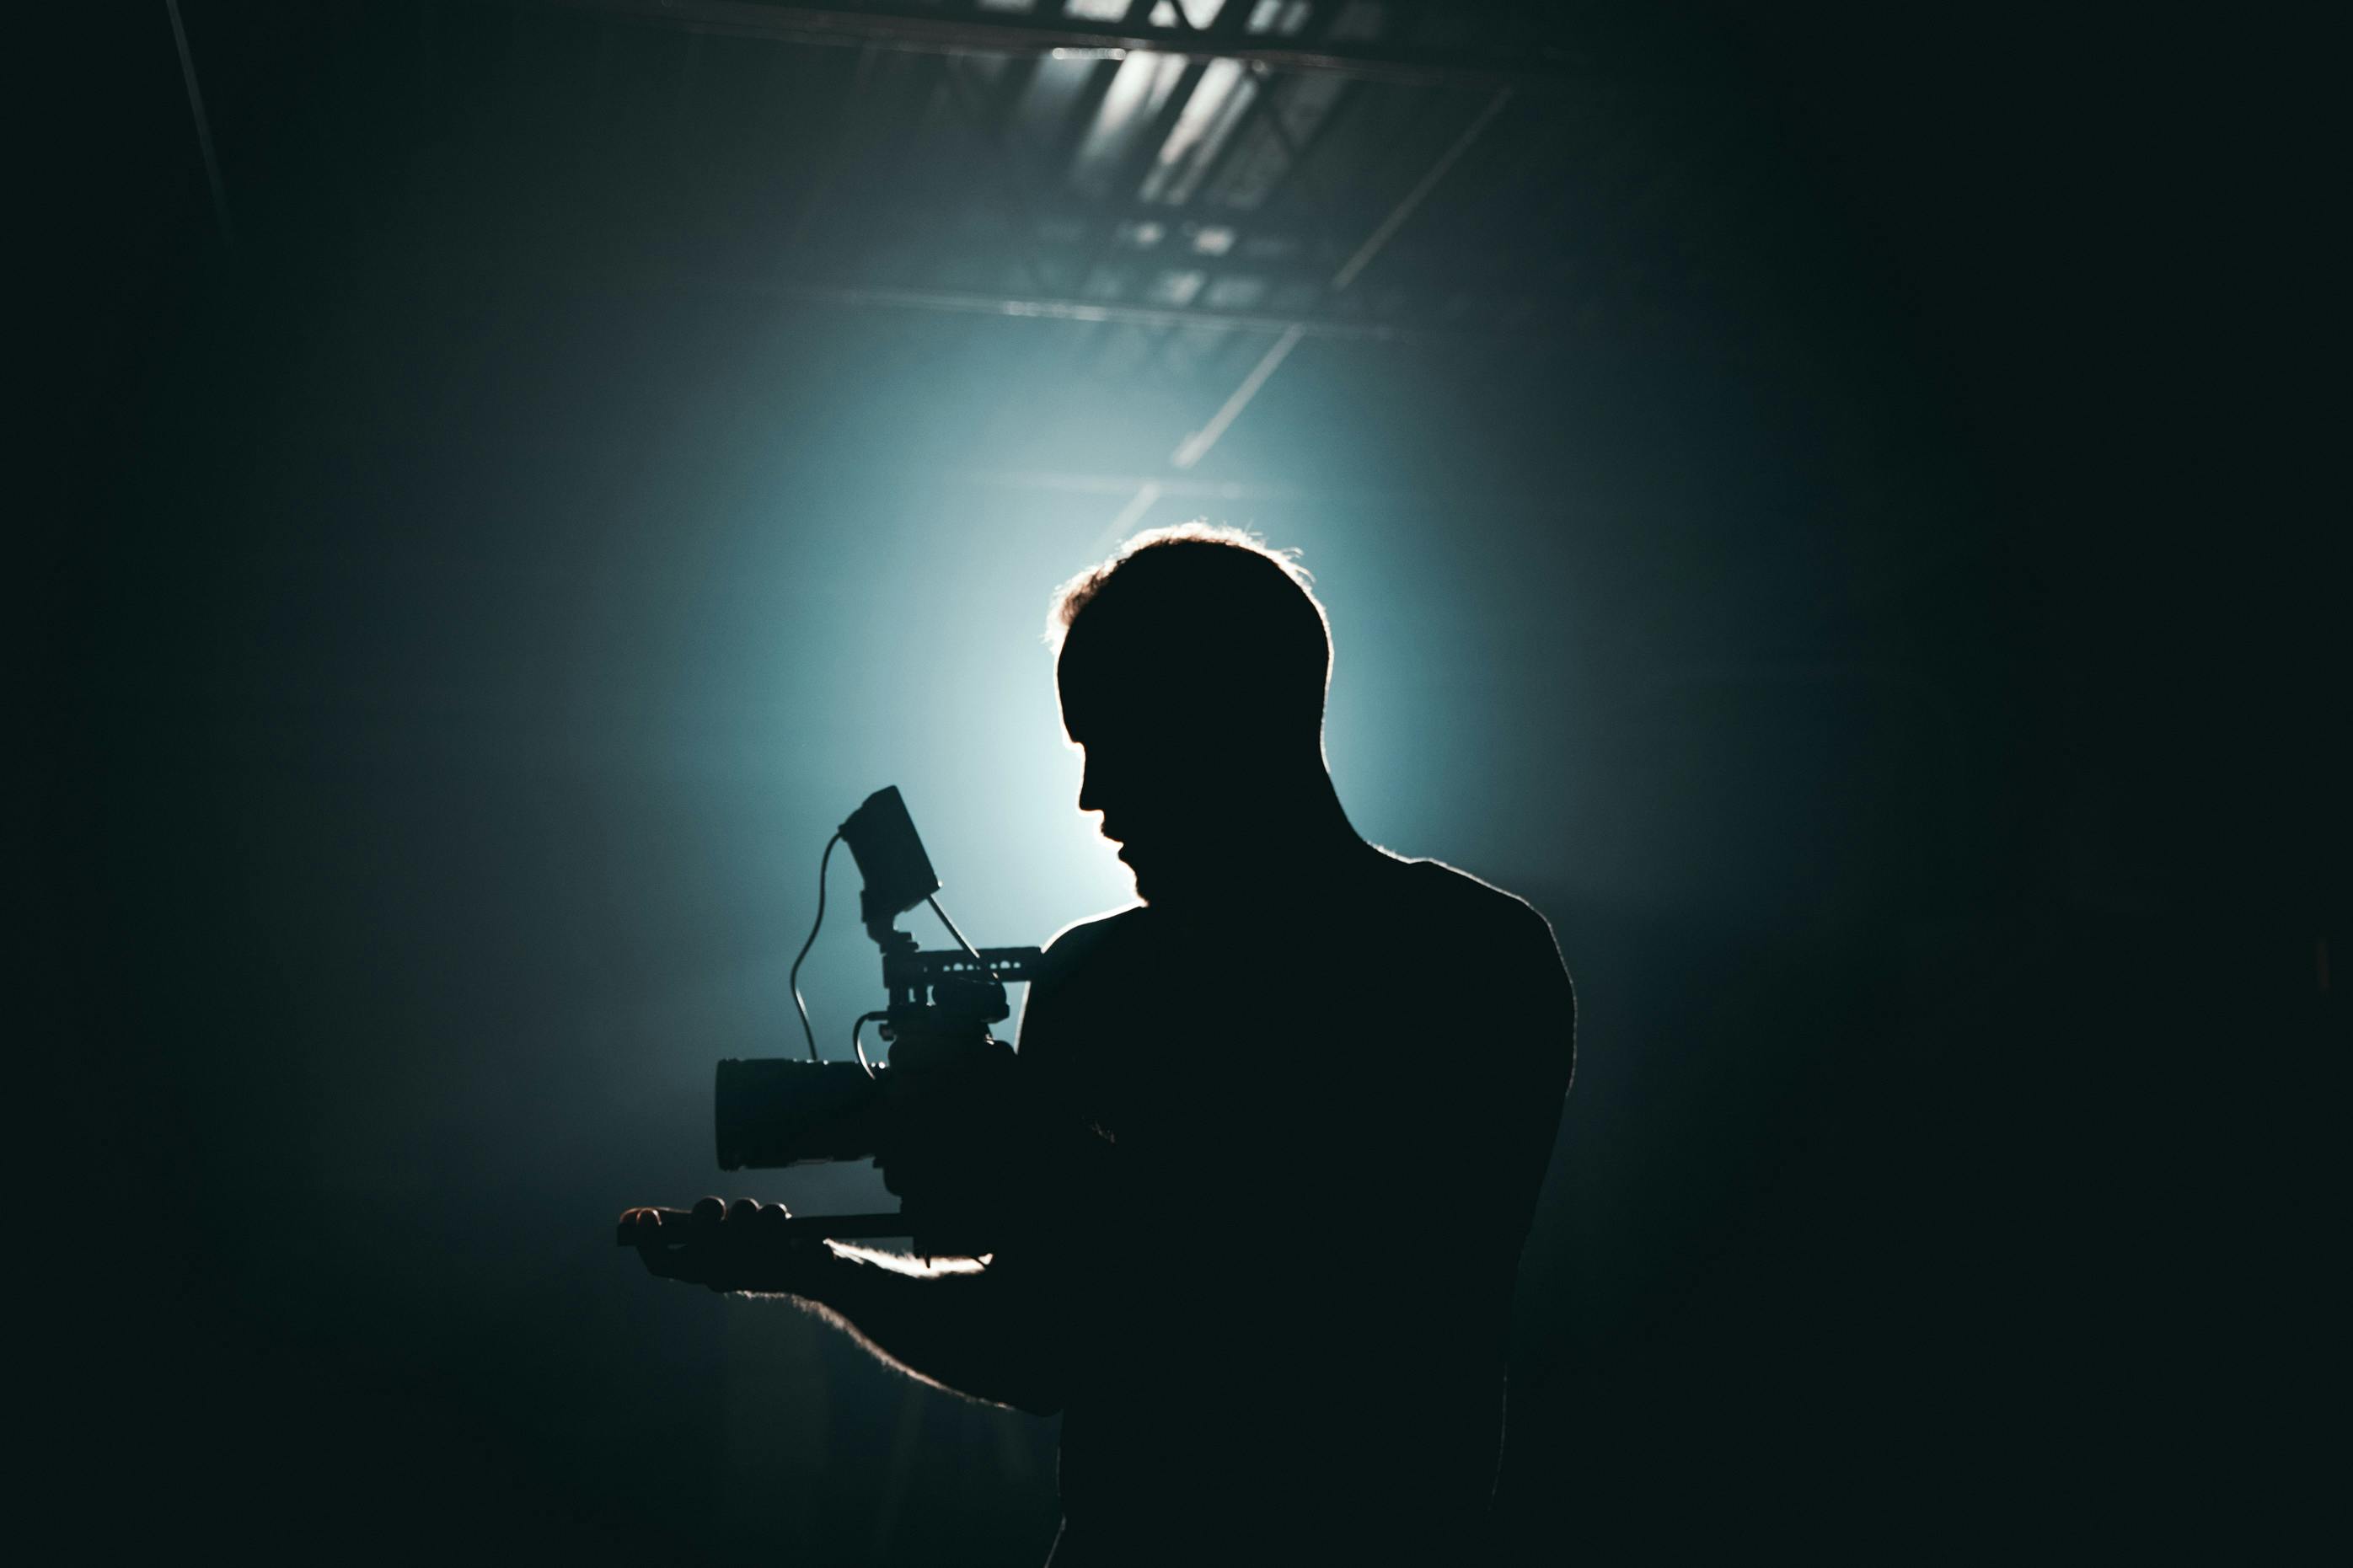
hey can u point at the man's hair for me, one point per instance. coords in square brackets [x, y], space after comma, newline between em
[1204, 611]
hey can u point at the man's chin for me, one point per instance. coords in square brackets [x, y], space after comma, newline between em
[1177, 868]
[1158, 880]
[1144, 880]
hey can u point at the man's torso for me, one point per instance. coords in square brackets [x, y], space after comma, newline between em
[1329, 1119]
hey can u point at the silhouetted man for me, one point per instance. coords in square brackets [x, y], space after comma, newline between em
[1271, 1145]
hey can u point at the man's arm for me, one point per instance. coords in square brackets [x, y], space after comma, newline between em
[1546, 1011]
[1002, 1331]
[986, 1330]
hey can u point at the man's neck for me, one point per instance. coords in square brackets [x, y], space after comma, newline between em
[1292, 850]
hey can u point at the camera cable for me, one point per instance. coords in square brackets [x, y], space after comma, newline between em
[800, 1006]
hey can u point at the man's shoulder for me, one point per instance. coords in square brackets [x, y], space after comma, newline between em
[1413, 900]
[1094, 932]
[1086, 966]
[1091, 945]
[1462, 900]
[1513, 947]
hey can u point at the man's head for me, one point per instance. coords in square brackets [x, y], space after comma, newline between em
[1192, 673]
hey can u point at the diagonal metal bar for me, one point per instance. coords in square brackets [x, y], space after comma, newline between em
[1316, 207]
[1264, 102]
[204, 125]
[1344, 102]
[1196, 446]
[1380, 237]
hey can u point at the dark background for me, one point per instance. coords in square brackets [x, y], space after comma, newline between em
[1845, 607]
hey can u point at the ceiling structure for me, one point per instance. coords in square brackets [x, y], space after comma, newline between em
[1226, 166]
[1189, 189]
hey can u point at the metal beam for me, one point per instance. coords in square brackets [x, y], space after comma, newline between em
[1034, 307]
[1053, 481]
[666, 277]
[902, 26]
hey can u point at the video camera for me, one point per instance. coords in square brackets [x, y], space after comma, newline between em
[776, 1112]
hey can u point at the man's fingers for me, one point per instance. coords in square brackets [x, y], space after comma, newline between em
[728, 1246]
[643, 1228]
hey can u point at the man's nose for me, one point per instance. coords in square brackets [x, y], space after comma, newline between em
[1091, 785]
[1101, 788]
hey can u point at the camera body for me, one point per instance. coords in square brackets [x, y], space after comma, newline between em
[775, 1111]
[772, 1112]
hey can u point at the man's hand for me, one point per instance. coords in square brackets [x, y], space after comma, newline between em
[747, 1247]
